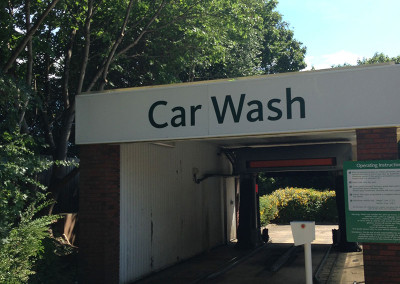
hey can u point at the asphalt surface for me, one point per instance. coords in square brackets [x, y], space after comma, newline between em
[276, 262]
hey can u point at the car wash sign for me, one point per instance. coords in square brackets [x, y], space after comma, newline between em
[293, 102]
[372, 200]
[227, 109]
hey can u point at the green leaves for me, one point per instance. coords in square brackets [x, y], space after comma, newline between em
[22, 246]
[19, 186]
[22, 197]
[12, 98]
[379, 58]
[288, 204]
[281, 51]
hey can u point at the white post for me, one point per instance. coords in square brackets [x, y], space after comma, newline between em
[303, 234]
[308, 263]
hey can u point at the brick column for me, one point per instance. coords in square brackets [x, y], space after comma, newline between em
[381, 261]
[99, 194]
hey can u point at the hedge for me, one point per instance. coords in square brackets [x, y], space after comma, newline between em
[301, 204]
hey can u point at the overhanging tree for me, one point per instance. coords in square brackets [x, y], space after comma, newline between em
[71, 47]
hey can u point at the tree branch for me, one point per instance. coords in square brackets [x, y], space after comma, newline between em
[87, 47]
[68, 56]
[110, 59]
[28, 37]
[145, 30]
[29, 66]
[115, 46]
[29, 46]
[48, 133]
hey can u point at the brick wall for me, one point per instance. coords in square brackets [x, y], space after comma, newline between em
[99, 213]
[381, 261]
[377, 144]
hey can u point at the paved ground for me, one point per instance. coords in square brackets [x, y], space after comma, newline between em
[346, 268]
[274, 263]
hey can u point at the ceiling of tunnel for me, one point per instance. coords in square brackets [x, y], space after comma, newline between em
[286, 139]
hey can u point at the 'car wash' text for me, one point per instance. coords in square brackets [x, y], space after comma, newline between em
[255, 111]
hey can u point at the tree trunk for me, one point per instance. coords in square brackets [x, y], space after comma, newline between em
[68, 117]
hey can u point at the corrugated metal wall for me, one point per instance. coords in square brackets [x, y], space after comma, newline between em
[165, 216]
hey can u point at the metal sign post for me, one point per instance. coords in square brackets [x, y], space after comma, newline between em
[303, 234]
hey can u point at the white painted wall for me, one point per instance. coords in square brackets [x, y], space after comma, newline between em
[165, 216]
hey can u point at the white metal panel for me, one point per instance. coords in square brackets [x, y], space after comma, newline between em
[345, 98]
[165, 215]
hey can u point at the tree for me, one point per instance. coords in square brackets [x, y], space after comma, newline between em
[375, 59]
[281, 51]
[378, 58]
[260, 43]
[74, 50]
[71, 47]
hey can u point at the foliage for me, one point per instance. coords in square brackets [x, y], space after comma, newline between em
[285, 205]
[21, 248]
[22, 199]
[268, 182]
[281, 51]
[92, 45]
[95, 45]
[379, 58]
[229, 43]
[12, 94]
[19, 166]
[268, 209]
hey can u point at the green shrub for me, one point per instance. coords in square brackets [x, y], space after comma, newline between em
[22, 247]
[268, 210]
[285, 205]
[21, 198]
[19, 167]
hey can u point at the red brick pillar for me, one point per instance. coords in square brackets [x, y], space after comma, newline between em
[381, 261]
[99, 194]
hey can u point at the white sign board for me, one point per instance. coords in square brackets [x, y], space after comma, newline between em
[292, 102]
[303, 232]
[374, 190]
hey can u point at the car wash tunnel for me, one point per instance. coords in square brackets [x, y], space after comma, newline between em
[169, 173]
[307, 157]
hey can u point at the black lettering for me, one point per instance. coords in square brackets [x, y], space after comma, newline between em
[151, 115]
[180, 117]
[290, 101]
[192, 114]
[258, 111]
[228, 101]
[274, 109]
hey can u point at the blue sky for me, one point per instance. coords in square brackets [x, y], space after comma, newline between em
[339, 31]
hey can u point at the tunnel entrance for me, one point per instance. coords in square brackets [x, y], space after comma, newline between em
[300, 165]
[292, 196]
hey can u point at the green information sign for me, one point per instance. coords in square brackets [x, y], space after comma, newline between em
[372, 201]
